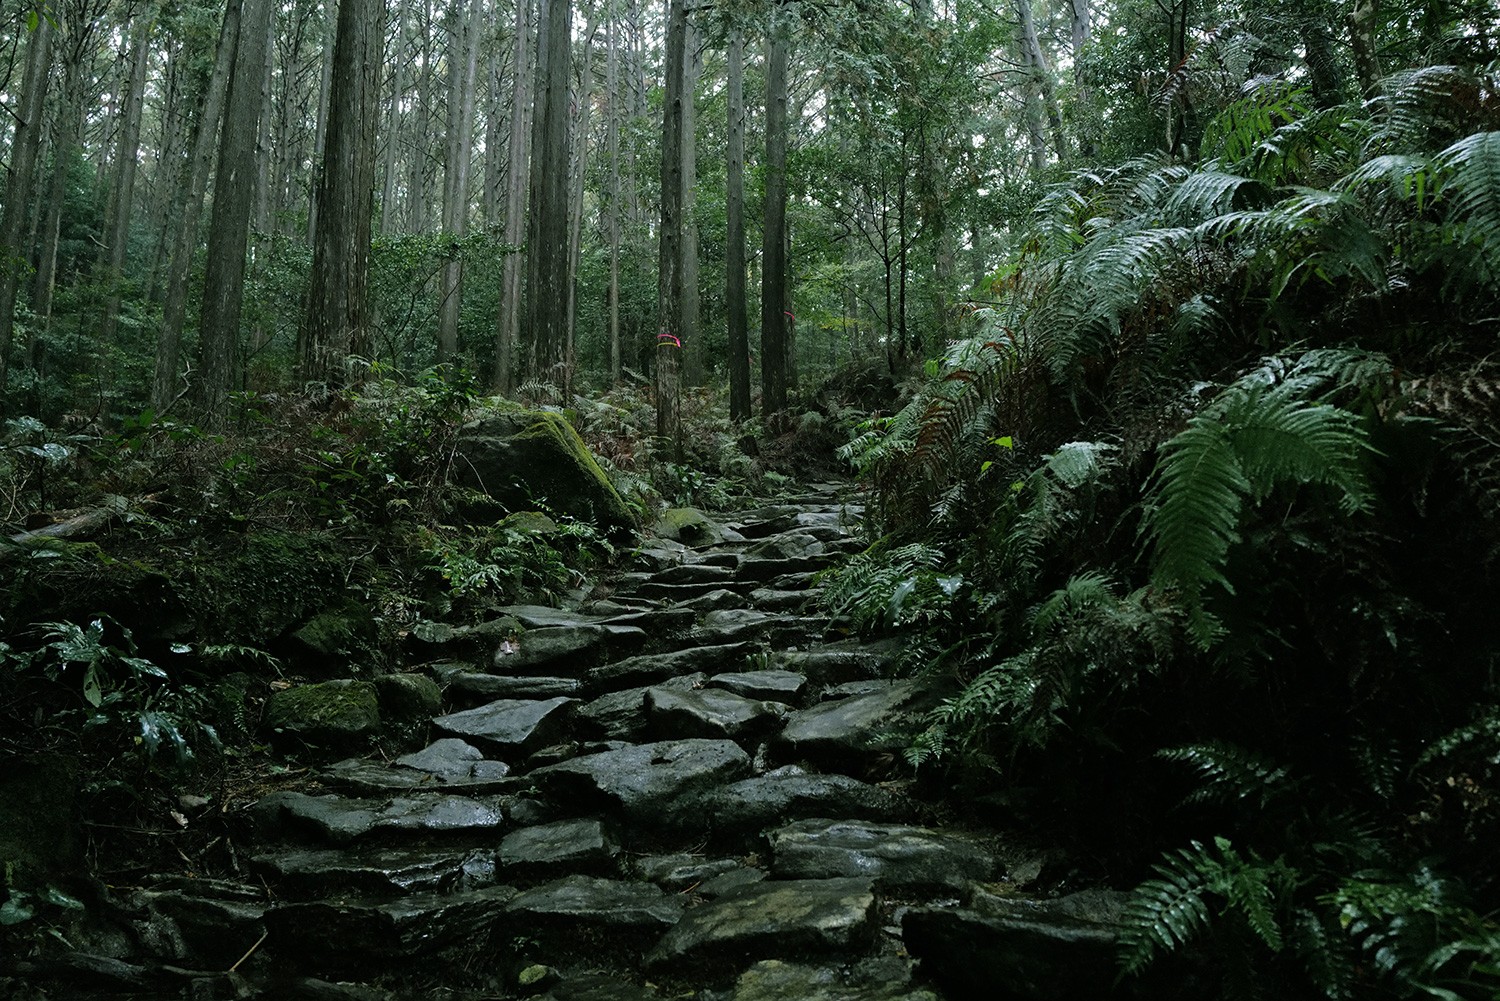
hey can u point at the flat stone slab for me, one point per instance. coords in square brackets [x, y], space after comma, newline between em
[545, 616]
[786, 546]
[622, 715]
[846, 728]
[715, 600]
[834, 663]
[681, 872]
[774, 980]
[770, 919]
[1020, 957]
[511, 724]
[743, 809]
[573, 645]
[895, 855]
[362, 937]
[330, 871]
[650, 669]
[488, 687]
[372, 778]
[644, 781]
[769, 599]
[599, 903]
[693, 573]
[709, 712]
[341, 821]
[572, 845]
[771, 686]
[653, 620]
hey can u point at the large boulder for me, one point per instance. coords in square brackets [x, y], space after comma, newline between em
[522, 457]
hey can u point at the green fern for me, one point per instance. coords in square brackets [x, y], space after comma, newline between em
[1249, 440]
[1228, 773]
[1168, 912]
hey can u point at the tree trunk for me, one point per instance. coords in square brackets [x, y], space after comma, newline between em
[773, 375]
[463, 54]
[669, 249]
[612, 141]
[388, 160]
[122, 201]
[584, 104]
[192, 184]
[692, 332]
[338, 322]
[417, 217]
[1363, 21]
[68, 127]
[23, 155]
[734, 253]
[320, 130]
[508, 326]
[224, 281]
[1043, 95]
[489, 201]
[547, 225]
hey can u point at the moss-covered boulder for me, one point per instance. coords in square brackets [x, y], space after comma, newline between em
[253, 589]
[54, 579]
[38, 835]
[530, 458]
[341, 640]
[689, 526]
[528, 523]
[335, 715]
[408, 697]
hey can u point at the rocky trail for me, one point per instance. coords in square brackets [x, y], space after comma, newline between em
[672, 792]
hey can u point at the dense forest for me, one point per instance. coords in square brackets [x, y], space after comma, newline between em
[1159, 338]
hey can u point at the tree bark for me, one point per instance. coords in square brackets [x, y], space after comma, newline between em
[612, 141]
[192, 184]
[320, 129]
[126, 157]
[388, 159]
[773, 374]
[508, 325]
[585, 104]
[224, 281]
[338, 320]
[463, 55]
[734, 252]
[669, 249]
[22, 167]
[547, 275]
[692, 327]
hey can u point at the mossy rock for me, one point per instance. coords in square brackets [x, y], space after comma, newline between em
[38, 836]
[527, 458]
[337, 715]
[340, 640]
[55, 579]
[528, 523]
[408, 697]
[690, 526]
[255, 588]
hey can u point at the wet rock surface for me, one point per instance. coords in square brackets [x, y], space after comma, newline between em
[671, 793]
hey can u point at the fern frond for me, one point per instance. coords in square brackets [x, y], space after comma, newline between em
[1205, 193]
[1230, 774]
[1166, 913]
[1082, 591]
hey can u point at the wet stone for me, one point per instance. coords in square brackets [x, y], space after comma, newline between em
[715, 600]
[342, 821]
[310, 872]
[449, 756]
[679, 872]
[895, 855]
[771, 686]
[653, 621]
[694, 573]
[770, 600]
[835, 663]
[487, 687]
[650, 669]
[708, 712]
[774, 980]
[770, 919]
[622, 715]
[786, 546]
[510, 724]
[845, 729]
[371, 778]
[769, 568]
[206, 922]
[728, 882]
[731, 625]
[599, 987]
[644, 780]
[573, 845]
[741, 810]
[364, 936]
[545, 616]
[600, 903]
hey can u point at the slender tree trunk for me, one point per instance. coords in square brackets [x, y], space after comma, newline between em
[584, 104]
[669, 256]
[692, 326]
[320, 129]
[508, 326]
[127, 154]
[547, 275]
[173, 113]
[388, 161]
[463, 54]
[22, 167]
[734, 252]
[417, 217]
[224, 281]
[1042, 99]
[68, 126]
[773, 374]
[1363, 22]
[192, 184]
[338, 319]
[489, 202]
[612, 141]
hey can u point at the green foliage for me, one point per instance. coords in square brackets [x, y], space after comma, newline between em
[891, 588]
[508, 565]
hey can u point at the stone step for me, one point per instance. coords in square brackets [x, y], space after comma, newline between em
[343, 820]
[304, 873]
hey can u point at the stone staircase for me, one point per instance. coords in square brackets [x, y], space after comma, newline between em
[671, 792]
